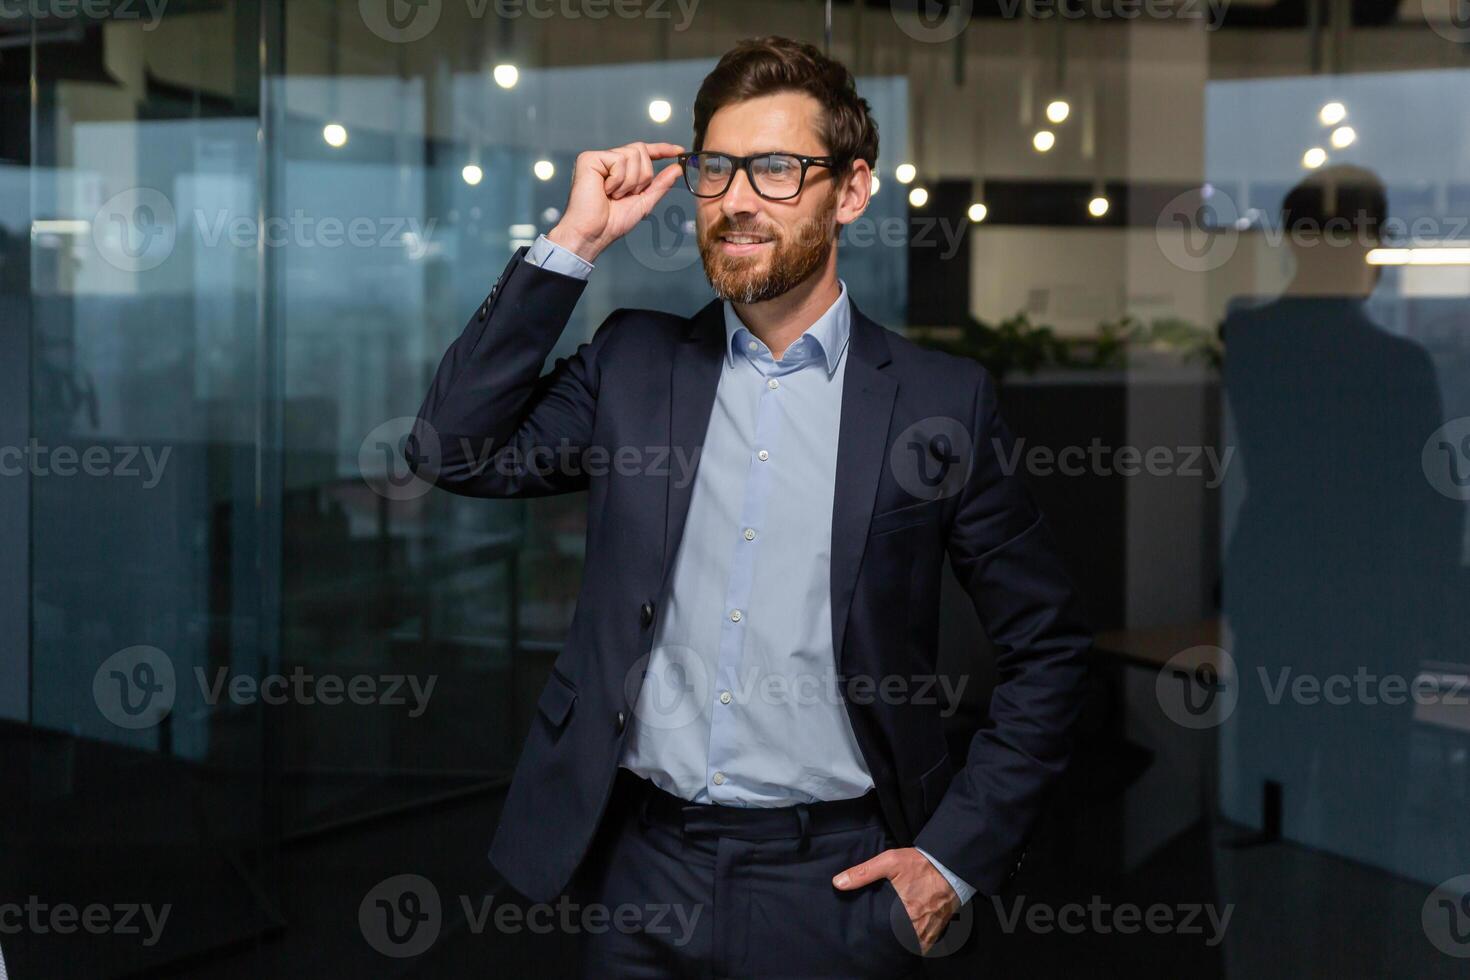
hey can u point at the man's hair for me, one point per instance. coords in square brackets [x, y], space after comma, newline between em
[1342, 194]
[767, 65]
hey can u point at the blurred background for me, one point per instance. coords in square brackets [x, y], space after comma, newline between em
[258, 684]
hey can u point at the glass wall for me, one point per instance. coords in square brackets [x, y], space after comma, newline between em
[256, 673]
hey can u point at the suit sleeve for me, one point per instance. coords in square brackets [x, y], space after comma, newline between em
[492, 425]
[1004, 556]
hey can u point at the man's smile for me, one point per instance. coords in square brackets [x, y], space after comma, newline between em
[743, 243]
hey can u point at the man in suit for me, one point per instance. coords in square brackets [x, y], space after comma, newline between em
[743, 721]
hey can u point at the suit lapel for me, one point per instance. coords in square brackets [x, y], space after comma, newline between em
[862, 443]
[692, 386]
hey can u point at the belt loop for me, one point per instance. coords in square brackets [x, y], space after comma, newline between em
[804, 824]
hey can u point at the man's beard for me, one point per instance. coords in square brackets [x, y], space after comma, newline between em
[755, 278]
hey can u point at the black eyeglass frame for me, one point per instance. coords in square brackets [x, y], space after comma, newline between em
[743, 163]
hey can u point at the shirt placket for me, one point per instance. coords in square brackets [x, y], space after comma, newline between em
[763, 457]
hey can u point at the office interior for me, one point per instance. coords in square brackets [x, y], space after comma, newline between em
[236, 238]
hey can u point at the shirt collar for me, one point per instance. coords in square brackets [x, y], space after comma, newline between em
[830, 331]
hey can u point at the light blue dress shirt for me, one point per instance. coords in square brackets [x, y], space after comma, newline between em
[740, 704]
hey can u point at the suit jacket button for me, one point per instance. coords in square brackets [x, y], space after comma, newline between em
[484, 310]
[622, 722]
[645, 615]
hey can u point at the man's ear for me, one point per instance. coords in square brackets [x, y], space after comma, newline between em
[854, 192]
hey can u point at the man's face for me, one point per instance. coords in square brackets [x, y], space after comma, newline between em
[755, 249]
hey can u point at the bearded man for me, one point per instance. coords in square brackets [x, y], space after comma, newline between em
[737, 741]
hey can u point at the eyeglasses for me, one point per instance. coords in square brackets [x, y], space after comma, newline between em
[774, 176]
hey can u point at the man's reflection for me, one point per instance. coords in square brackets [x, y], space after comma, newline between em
[1338, 575]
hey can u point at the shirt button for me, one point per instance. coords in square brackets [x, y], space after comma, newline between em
[750, 534]
[734, 615]
[773, 384]
[724, 697]
[752, 345]
[762, 455]
[719, 779]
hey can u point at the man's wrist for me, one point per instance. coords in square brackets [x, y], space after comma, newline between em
[579, 245]
[962, 889]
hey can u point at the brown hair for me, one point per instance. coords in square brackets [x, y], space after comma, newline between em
[767, 65]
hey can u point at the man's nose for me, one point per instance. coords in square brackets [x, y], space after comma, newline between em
[740, 198]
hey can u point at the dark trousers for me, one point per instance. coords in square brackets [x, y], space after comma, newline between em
[693, 890]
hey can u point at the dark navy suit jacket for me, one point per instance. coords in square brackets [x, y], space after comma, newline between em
[647, 380]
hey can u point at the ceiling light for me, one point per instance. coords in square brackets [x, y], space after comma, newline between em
[506, 76]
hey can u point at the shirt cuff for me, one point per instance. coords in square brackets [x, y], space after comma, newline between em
[964, 891]
[553, 258]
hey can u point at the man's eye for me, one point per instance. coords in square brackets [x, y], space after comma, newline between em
[717, 166]
[778, 167]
